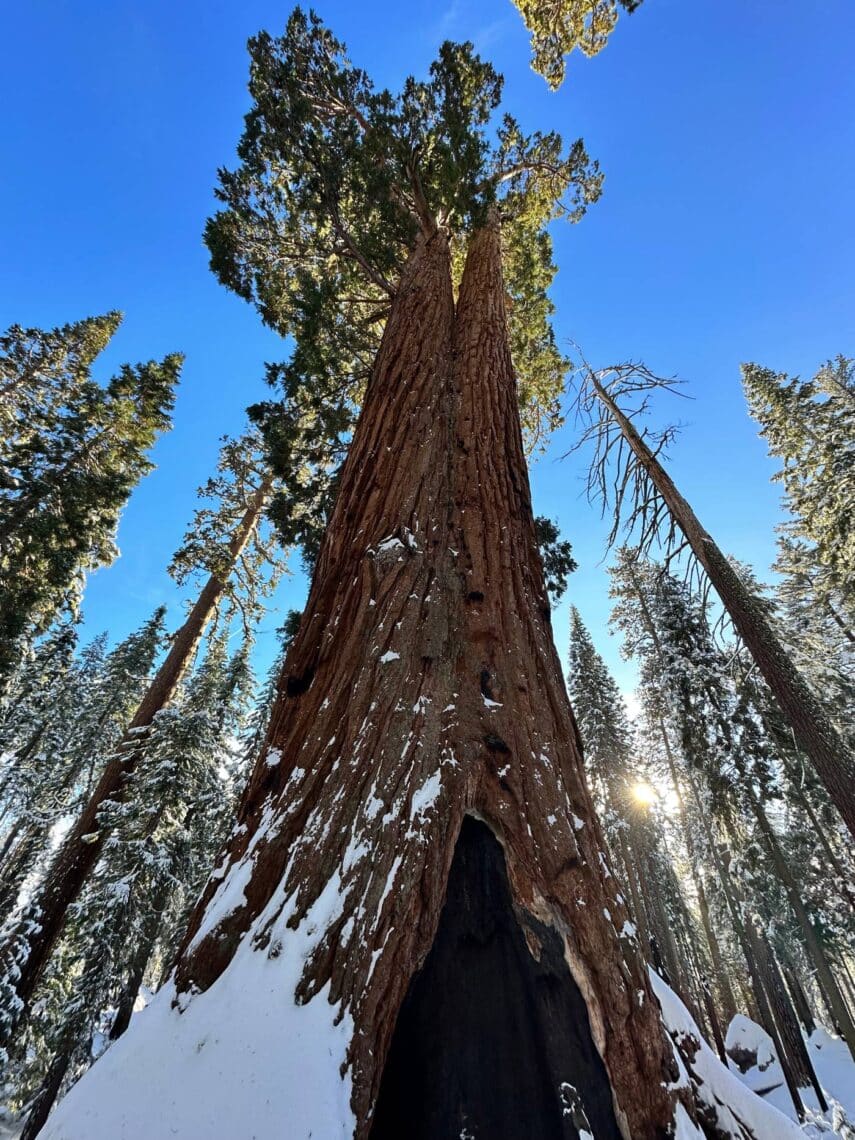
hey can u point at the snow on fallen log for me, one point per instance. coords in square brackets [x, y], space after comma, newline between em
[726, 1108]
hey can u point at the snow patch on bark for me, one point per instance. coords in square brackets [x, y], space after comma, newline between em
[425, 796]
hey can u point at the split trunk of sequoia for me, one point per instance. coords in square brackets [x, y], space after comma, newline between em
[811, 725]
[423, 686]
[29, 946]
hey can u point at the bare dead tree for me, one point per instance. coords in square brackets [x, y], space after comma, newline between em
[627, 478]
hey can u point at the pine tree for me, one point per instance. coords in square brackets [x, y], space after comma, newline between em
[45, 691]
[613, 765]
[558, 27]
[72, 452]
[422, 686]
[810, 425]
[722, 738]
[176, 813]
[657, 512]
[227, 543]
[52, 762]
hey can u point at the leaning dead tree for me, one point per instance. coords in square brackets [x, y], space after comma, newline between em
[626, 473]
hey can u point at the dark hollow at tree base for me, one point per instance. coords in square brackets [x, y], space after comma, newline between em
[492, 1043]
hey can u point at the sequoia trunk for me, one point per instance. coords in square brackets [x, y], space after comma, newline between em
[421, 688]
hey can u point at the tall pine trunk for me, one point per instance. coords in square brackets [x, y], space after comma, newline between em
[27, 949]
[811, 725]
[813, 942]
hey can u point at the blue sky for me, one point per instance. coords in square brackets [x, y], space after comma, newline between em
[726, 131]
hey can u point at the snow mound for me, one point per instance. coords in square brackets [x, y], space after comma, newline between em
[834, 1068]
[748, 1044]
[721, 1097]
[240, 1061]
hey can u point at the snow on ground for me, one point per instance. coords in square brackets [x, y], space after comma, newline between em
[731, 1102]
[242, 1061]
[9, 1130]
[831, 1060]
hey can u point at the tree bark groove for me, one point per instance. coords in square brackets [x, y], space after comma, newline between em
[424, 686]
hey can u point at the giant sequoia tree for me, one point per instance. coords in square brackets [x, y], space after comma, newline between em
[558, 27]
[414, 929]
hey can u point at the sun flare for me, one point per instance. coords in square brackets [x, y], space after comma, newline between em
[644, 794]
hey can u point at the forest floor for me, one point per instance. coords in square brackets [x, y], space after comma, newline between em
[832, 1062]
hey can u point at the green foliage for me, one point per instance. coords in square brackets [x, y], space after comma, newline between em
[734, 743]
[164, 838]
[65, 714]
[71, 453]
[305, 435]
[557, 27]
[239, 491]
[597, 705]
[810, 426]
[556, 555]
[336, 182]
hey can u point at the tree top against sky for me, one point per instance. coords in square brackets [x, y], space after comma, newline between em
[558, 27]
[337, 179]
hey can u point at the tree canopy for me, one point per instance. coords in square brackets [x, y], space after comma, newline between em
[338, 180]
[558, 27]
[72, 451]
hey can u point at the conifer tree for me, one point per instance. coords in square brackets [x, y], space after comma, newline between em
[613, 764]
[72, 452]
[720, 736]
[227, 543]
[558, 27]
[422, 688]
[646, 501]
[164, 836]
[44, 692]
[810, 426]
[52, 762]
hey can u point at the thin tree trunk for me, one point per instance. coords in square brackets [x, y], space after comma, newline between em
[748, 941]
[800, 999]
[803, 800]
[721, 975]
[137, 967]
[789, 1022]
[18, 866]
[841, 624]
[629, 860]
[813, 943]
[813, 728]
[11, 836]
[27, 950]
[46, 1096]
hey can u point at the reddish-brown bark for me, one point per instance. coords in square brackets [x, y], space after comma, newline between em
[424, 685]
